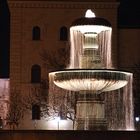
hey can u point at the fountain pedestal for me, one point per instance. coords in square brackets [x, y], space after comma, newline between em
[90, 112]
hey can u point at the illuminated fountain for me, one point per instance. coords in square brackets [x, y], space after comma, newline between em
[90, 72]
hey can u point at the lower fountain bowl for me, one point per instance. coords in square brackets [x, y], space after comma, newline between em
[96, 80]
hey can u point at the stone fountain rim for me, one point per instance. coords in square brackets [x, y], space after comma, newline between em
[104, 70]
[99, 74]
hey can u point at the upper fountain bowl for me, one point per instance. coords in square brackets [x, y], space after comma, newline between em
[95, 80]
[90, 24]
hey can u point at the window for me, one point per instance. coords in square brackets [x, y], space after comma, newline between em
[63, 33]
[36, 33]
[35, 74]
[35, 112]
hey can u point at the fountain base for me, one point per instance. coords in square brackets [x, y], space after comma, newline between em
[91, 124]
[90, 112]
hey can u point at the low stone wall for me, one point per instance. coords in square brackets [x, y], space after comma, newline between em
[68, 135]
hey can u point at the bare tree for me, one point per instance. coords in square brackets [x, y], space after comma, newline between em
[38, 95]
[16, 110]
[62, 104]
[57, 59]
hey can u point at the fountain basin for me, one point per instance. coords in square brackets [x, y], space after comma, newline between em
[95, 80]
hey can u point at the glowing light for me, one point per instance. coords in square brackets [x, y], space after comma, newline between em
[55, 123]
[58, 124]
[57, 119]
[137, 119]
[89, 14]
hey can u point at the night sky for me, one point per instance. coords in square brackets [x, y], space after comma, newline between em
[4, 39]
[129, 14]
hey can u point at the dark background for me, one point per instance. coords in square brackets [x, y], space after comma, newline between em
[129, 14]
[4, 39]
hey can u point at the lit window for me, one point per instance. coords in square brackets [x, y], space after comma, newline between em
[63, 33]
[35, 74]
[36, 33]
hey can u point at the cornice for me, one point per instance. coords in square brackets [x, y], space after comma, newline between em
[62, 5]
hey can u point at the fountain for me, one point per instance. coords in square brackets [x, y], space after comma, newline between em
[90, 72]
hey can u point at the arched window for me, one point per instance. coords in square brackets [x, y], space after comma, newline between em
[35, 112]
[36, 33]
[63, 33]
[35, 74]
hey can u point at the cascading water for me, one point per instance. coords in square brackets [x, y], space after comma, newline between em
[119, 107]
[102, 101]
[104, 42]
